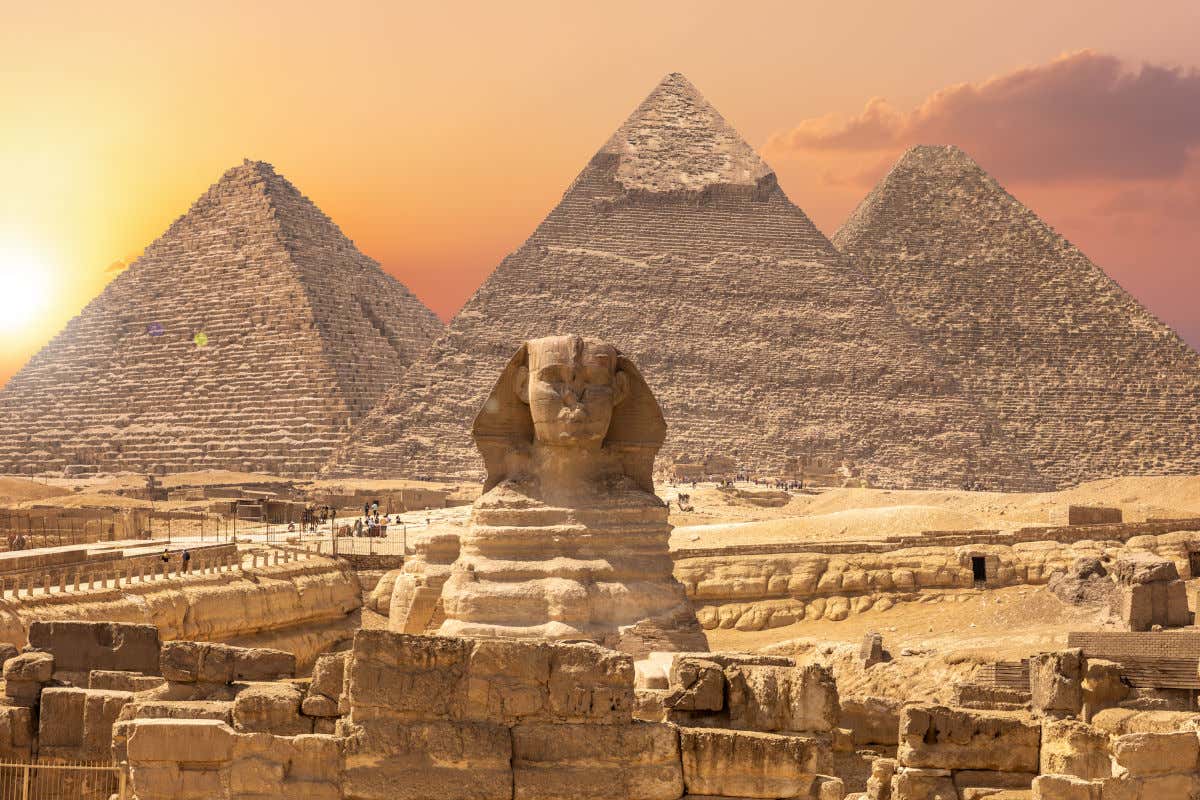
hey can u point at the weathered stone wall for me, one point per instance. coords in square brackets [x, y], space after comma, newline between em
[745, 588]
[304, 334]
[422, 717]
[1086, 381]
[301, 606]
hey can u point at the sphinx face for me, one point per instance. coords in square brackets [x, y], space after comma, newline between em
[571, 385]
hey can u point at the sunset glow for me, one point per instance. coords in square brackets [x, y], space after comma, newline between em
[24, 287]
[438, 137]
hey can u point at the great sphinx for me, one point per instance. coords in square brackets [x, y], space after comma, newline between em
[568, 541]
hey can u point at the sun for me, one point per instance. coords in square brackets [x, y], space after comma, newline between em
[24, 287]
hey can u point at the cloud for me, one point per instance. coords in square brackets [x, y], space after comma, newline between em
[1082, 116]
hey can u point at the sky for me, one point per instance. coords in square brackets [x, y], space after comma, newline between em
[438, 135]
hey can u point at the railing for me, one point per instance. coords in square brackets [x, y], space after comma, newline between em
[53, 779]
[49, 580]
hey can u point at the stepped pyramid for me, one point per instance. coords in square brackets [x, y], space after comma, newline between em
[1082, 376]
[760, 340]
[246, 337]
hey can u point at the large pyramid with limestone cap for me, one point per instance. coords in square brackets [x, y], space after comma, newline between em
[247, 337]
[761, 341]
[1081, 376]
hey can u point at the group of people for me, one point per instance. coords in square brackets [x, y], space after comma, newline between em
[17, 541]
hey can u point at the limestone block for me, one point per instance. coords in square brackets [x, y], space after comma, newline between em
[873, 720]
[1157, 753]
[826, 787]
[1102, 687]
[210, 662]
[307, 766]
[328, 674]
[697, 685]
[749, 764]
[1056, 682]
[577, 762]
[913, 783]
[80, 646]
[17, 729]
[60, 721]
[764, 698]
[953, 738]
[318, 705]
[123, 681]
[221, 711]
[407, 677]
[437, 760]
[8, 650]
[270, 708]
[1071, 747]
[508, 681]
[180, 740]
[879, 785]
[30, 667]
[1065, 787]
[590, 684]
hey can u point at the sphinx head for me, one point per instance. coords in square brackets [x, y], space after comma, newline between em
[571, 385]
[569, 392]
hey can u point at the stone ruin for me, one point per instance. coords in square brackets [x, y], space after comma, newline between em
[399, 716]
[568, 541]
[302, 334]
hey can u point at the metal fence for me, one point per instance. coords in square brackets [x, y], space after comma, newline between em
[49, 529]
[55, 779]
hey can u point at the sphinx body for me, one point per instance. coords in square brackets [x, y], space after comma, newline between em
[569, 542]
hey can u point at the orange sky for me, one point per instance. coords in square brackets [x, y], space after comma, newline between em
[438, 135]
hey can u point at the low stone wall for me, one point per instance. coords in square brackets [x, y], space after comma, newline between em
[303, 606]
[751, 588]
[423, 717]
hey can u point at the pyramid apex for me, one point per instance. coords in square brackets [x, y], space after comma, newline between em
[928, 155]
[675, 140]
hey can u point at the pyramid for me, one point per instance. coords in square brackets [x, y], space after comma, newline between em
[247, 337]
[1082, 377]
[676, 244]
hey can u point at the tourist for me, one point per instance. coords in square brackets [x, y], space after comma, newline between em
[358, 527]
[166, 555]
[186, 558]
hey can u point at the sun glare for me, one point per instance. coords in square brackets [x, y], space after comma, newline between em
[24, 287]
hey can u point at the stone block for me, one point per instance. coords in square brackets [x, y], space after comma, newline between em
[30, 668]
[590, 684]
[1071, 747]
[765, 698]
[696, 684]
[1065, 787]
[270, 708]
[914, 783]
[879, 784]
[937, 737]
[1157, 753]
[180, 740]
[749, 764]
[17, 729]
[437, 760]
[400, 676]
[1056, 682]
[123, 681]
[596, 762]
[210, 662]
[80, 646]
[60, 721]
[873, 720]
[179, 709]
[328, 674]
[318, 705]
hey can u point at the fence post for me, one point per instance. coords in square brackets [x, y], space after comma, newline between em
[121, 783]
[25, 784]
